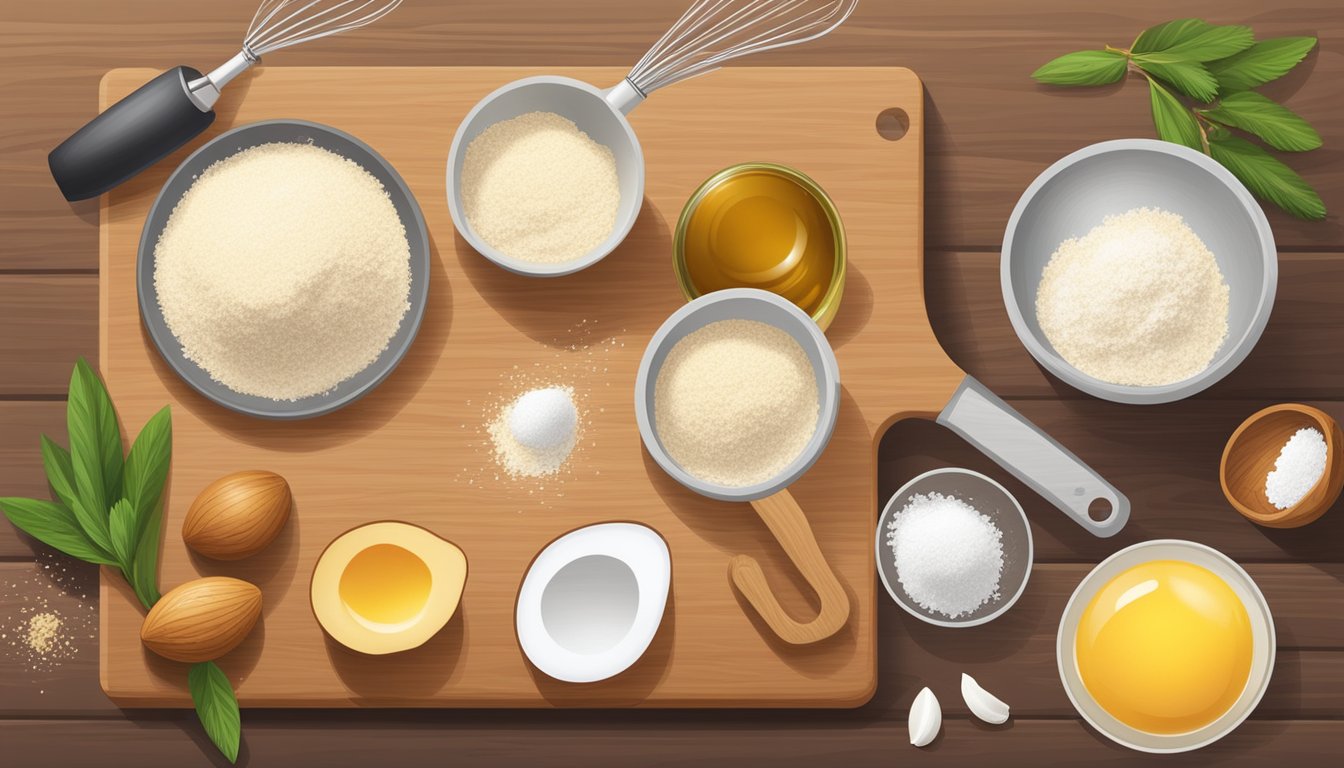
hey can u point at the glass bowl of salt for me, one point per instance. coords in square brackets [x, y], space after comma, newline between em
[954, 548]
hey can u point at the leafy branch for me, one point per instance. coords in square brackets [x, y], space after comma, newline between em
[1215, 66]
[109, 510]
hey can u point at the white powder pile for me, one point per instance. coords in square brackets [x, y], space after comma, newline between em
[1300, 465]
[283, 271]
[948, 556]
[44, 632]
[534, 434]
[539, 189]
[735, 402]
[1138, 301]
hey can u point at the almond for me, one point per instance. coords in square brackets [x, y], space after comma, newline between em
[202, 620]
[238, 515]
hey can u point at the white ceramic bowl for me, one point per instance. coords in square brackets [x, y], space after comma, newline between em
[1075, 194]
[1262, 653]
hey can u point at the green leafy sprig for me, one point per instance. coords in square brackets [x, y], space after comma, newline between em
[109, 510]
[1215, 66]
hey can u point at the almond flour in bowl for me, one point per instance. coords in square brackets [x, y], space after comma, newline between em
[283, 270]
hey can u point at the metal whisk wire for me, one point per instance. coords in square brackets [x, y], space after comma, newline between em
[714, 31]
[272, 29]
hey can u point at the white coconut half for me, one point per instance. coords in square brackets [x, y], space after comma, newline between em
[593, 600]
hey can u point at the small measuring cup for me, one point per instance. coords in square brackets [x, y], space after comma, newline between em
[708, 34]
[771, 499]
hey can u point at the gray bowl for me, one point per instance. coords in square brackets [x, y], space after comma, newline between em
[743, 304]
[232, 142]
[989, 498]
[597, 113]
[1072, 196]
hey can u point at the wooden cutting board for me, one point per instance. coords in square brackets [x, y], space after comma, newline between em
[413, 450]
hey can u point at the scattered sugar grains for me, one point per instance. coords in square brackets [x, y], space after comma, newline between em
[1137, 301]
[948, 556]
[539, 189]
[1300, 465]
[283, 271]
[534, 434]
[735, 402]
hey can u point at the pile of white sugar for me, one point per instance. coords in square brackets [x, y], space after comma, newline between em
[535, 434]
[1138, 301]
[948, 556]
[283, 271]
[736, 402]
[1300, 465]
[539, 189]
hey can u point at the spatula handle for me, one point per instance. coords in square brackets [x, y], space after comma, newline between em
[1033, 457]
[786, 521]
[129, 136]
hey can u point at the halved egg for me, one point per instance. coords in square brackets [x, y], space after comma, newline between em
[593, 600]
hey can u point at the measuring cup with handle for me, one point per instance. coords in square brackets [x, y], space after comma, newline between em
[771, 499]
[710, 33]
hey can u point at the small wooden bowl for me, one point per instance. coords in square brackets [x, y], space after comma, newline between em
[1250, 455]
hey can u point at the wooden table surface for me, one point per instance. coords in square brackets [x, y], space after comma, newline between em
[990, 130]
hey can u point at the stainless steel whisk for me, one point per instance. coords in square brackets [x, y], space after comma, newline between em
[169, 110]
[711, 32]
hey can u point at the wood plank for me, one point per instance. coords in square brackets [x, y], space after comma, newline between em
[1164, 458]
[61, 680]
[21, 425]
[991, 128]
[46, 323]
[1292, 360]
[663, 739]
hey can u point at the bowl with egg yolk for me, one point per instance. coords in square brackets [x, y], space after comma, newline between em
[1166, 646]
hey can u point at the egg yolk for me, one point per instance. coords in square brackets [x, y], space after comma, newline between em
[1165, 647]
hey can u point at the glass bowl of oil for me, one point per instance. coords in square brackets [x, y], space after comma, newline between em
[764, 226]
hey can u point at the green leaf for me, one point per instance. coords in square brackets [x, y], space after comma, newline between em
[1268, 178]
[122, 524]
[1083, 68]
[144, 575]
[1190, 78]
[1191, 40]
[1280, 127]
[1164, 36]
[1265, 61]
[147, 466]
[93, 444]
[60, 472]
[1173, 121]
[53, 524]
[216, 707]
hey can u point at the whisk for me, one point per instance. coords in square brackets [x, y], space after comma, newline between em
[708, 34]
[171, 109]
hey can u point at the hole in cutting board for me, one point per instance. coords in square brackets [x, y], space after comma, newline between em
[892, 123]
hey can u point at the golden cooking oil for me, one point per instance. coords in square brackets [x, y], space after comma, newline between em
[763, 227]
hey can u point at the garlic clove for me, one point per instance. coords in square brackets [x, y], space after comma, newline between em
[982, 703]
[926, 718]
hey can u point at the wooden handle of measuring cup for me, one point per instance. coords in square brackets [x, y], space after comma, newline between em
[786, 521]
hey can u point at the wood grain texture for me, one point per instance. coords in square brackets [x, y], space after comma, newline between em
[988, 129]
[991, 129]
[669, 740]
[401, 444]
[44, 327]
